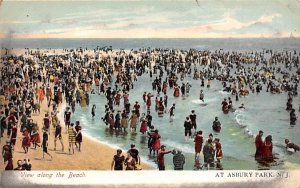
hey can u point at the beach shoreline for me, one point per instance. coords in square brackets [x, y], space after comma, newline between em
[87, 159]
[94, 155]
[95, 129]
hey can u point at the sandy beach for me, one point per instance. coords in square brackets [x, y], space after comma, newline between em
[93, 155]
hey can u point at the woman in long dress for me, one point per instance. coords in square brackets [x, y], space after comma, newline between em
[7, 155]
[124, 122]
[82, 100]
[156, 142]
[176, 91]
[143, 128]
[26, 140]
[13, 137]
[35, 136]
[133, 121]
[41, 95]
[268, 149]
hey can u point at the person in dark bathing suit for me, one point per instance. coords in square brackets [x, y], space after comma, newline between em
[118, 160]
[290, 145]
[93, 111]
[45, 144]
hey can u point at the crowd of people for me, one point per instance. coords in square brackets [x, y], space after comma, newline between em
[29, 80]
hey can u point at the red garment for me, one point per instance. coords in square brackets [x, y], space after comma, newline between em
[97, 82]
[111, 121]
[125, 97]
[224, 105]
[12, 118]
[267, 150]
[41, 94]
[176, 92]
[156, 141]
[137, 107]
[259, 147]
[198, 143]
[161, 106]
[219, 153]
[258, 142]
[14, 133]
[161, 158]
[118, 98]
[26, 139]
[35, 137]
[148, 102]
[143, 128]
[164, 89]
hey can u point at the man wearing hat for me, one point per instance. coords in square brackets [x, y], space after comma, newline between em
[160, 157]
[259, 145]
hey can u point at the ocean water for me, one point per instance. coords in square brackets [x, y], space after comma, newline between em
[263, 111]
[277, 44]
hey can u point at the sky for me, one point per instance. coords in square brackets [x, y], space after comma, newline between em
[150, 19]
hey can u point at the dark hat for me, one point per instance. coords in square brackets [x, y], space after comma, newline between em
[162, 146]
[261, 131]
